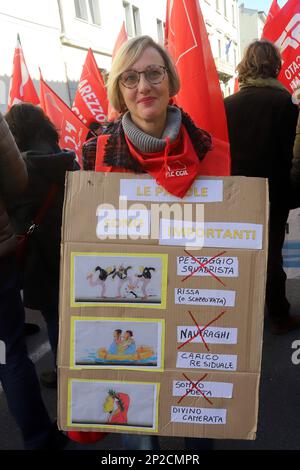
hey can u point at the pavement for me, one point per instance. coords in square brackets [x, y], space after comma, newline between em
[279, 409]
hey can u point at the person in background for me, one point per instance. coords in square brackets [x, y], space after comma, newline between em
[95, 129]
[262, 123]
[47, 164]
[17, 373]
[295, 171]
[89, 147]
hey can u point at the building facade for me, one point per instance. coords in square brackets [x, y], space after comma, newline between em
[251, 25]
[56, 34]
[222, 23]
[96, 24]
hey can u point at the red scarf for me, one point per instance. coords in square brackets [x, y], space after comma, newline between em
[175, 168]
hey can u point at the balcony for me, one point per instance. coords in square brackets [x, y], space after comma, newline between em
[225, 69]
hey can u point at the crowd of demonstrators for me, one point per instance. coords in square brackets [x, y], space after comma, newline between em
[37, 140]
[150, 136]
[262, 121]
[17, 374]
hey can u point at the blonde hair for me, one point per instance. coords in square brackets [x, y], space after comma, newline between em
[127, 55]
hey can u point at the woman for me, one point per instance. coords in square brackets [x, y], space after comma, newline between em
[261, 122]
[47, 164]
[151, 136]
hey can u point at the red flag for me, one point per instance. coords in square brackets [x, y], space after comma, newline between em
[21, 86]
[274, 9]
[90, 102]
[200, 94]
[284, 31]
[236, 85]
[71, 130]
[122, 37]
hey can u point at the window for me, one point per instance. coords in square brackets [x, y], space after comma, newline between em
[132, 18]
[128, 19]
[225, 8]
[160, 31]
[227, 48]
[219, 48]
[233, 15]
[208, 29]
[81, 10]
[136, 21]
[88, 10]
[95, 12]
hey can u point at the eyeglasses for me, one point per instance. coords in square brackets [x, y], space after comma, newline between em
[154, 74]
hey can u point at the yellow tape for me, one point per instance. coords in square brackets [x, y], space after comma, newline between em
[109, 426]
[164, 276]
[119, 320]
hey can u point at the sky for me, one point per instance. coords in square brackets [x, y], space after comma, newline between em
[261, 4]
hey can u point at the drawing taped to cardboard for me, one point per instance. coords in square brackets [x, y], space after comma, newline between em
[128, 283]
[117, 279]
[109, 404]
[105, 342]
[116, 404]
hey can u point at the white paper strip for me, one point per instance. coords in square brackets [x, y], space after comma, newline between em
[222, 266]
[182, 232]
[191, 360]
[212, 234]
[122, 222]
[211, 335]
[192, 415]
[209, 389]
[208, 297]
[147, 190]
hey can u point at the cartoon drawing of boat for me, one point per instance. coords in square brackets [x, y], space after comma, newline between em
[142, 353]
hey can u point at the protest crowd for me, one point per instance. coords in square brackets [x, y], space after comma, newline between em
[142, 126]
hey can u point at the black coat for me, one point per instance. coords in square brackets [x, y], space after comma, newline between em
[41, 268]
[262, 126]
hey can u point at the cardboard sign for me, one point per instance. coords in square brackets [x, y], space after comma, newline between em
[159, 338]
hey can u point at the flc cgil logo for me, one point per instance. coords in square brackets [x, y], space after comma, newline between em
[177, 169]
